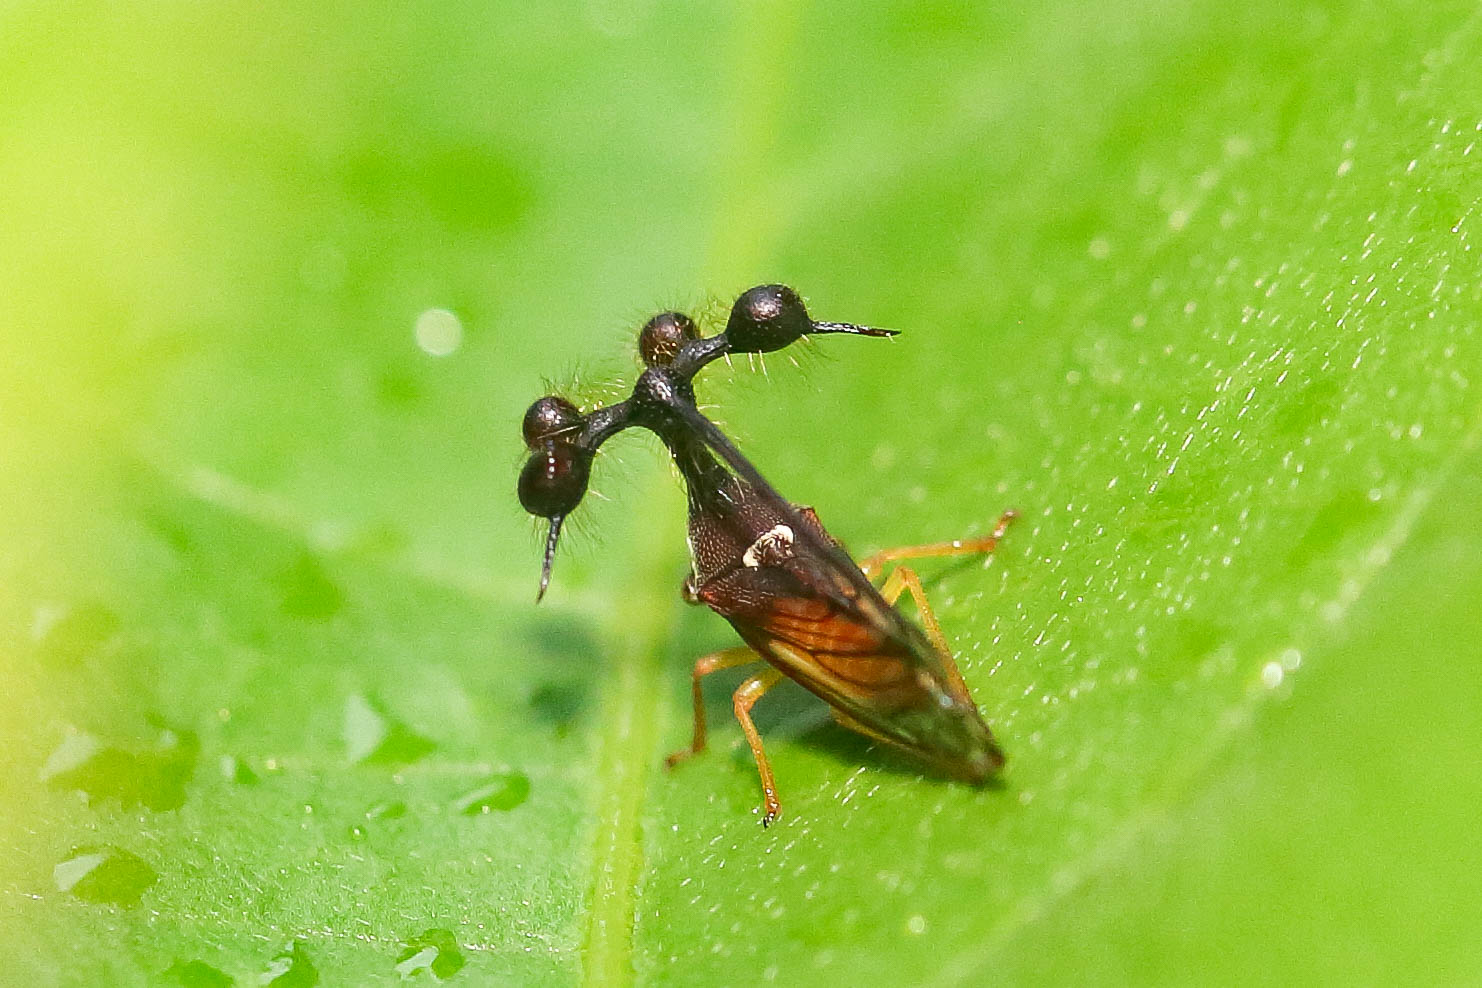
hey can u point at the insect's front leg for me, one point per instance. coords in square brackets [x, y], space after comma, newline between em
[704, 666]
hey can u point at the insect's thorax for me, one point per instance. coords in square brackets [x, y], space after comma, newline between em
[735, 529]
[730, 525]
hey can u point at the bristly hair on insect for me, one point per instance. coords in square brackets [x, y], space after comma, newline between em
[767, 565]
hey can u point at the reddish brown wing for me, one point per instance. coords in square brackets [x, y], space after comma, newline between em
[835, 640]
[795, 596]
[872, 678]
[819, 640]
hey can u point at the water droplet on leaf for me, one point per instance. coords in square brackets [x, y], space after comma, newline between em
[373, 737]
[233, 769]
[104, 874]
[155, 778]
[387, 811]
[291, 969]
[434, 951]
[498, 792]
[198, 974]
[72, 638]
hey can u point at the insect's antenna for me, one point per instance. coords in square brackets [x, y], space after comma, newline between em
[849, 327]
[550, 555]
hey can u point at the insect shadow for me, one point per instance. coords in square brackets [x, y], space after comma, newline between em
[562, 699]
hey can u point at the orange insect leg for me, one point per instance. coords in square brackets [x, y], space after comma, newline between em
[903, 578]
[704, 666]
[745, 698]
[872, 565]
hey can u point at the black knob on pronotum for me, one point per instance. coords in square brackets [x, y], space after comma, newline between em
[769, 317]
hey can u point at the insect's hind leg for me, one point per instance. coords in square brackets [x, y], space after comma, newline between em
[704, 666]
[903, 578]
[745, 698]
[872, 565]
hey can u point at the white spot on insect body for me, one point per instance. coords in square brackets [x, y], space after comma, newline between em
[770, 547]
[690, 591]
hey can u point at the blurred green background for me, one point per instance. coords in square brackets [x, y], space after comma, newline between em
[1191, 285]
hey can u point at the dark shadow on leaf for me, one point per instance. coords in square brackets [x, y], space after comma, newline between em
[849, 748]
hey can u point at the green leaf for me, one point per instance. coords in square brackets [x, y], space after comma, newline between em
[1192, 287]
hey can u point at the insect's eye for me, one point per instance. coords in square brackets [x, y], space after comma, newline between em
[548, 418]
[662, 336]
[554, 479]
[766, 318]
